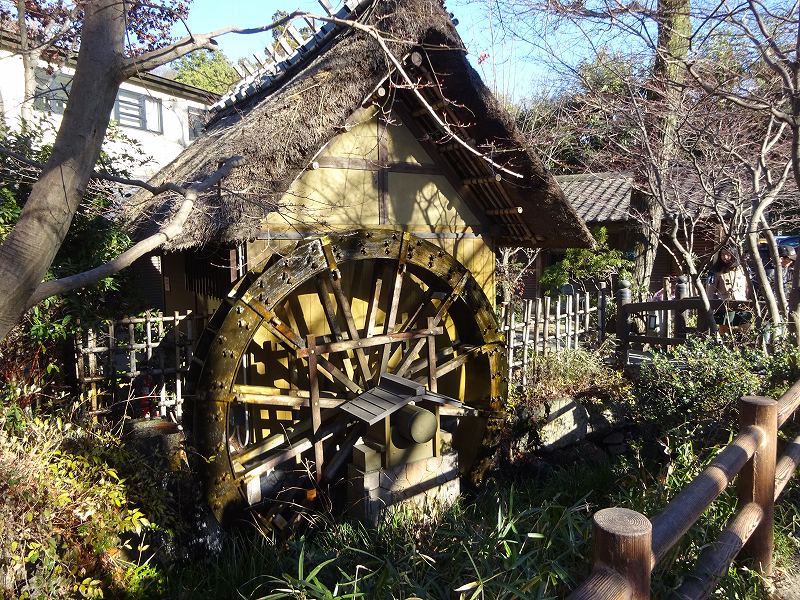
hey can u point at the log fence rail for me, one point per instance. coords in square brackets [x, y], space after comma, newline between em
[627, 545]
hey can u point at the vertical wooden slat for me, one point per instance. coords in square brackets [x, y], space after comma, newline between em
[602, 300]
[558, 323]
[537, 319]
[432, 383]
[316, 415]
[546, 340]
[80, 374]
[111, 373]
[587, 309]
[91, 346]
[512, 343]
[526, 330]
[178, 375]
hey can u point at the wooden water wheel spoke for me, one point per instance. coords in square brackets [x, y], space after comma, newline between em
[287, 337]
[372, 310]
[412, 352]
[344, 305]
[394, 303]
[296, 445]
[380, 304]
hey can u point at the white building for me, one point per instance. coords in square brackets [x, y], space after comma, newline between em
[163, 115]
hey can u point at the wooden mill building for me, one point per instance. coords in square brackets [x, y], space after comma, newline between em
[355, 240]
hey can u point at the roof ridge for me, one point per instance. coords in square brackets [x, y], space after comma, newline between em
[603, 175]
[275, 70]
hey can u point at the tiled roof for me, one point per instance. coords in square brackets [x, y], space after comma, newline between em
[599, 197]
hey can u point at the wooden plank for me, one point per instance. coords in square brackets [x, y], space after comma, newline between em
[294, 342]
[316, 415]
[372, 309]
[372, 403]
[546, 336]
[558, 323]
[387, 395]
[375, 340]
[400, 385]
[285, 401]
[537, 317]
[344, 306]
[408, 357]
[324, 292]
[433, 386]
[394, 302]
[526, 331]
[360, 413]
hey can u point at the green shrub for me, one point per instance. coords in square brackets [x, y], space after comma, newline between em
[74, 501]
[699, 381]
[574, 373]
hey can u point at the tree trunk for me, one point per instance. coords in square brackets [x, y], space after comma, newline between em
[29, 249]
[674, 31]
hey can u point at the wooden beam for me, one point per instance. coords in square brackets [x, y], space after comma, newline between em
[316, 414]
[375, 340]
[499, 212]
[496, 178]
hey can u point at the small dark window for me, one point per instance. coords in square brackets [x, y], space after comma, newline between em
[197, 121]
[138, 111]
[52, 91]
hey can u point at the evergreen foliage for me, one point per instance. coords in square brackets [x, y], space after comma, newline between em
[207, 70]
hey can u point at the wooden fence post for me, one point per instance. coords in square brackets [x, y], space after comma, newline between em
[587, 306]
[558, 323]
[623, 543]
[546, 335]
[681, 292]
[601, 310]
[537, 321]
[526, 332]
[623, 324]
[756, 480]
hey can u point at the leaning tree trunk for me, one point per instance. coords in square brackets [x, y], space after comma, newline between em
[29, 249]
[674, 31]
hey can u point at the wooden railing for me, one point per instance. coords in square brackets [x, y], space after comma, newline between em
[551, 324]
[627, 545]
[139, 363]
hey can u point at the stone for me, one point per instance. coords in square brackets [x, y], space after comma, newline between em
[365, 458]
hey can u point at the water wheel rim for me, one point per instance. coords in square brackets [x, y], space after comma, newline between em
[255, 304]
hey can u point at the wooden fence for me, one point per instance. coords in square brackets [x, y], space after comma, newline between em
[137, 365]
[551, 324]
[628, 545]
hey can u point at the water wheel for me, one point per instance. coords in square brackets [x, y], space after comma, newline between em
[316, 327]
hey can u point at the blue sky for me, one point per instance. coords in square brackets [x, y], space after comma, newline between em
[507, 72]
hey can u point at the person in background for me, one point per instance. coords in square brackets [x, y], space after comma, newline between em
[788, 256]
[727, 281]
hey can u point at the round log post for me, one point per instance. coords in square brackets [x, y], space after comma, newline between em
[681, 292]
[623, 543]
[623, 323]
[756, 481]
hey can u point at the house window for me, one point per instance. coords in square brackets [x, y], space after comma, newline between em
[197, 120]
[52, 91]
[138, 111]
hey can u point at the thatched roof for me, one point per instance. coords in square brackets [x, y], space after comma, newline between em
[279, 123]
